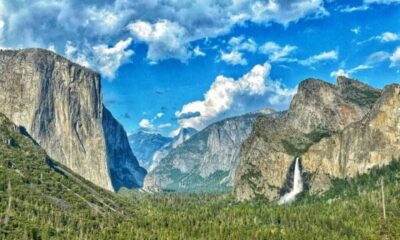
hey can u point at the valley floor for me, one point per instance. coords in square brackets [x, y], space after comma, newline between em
[40, 199]
[355, 213]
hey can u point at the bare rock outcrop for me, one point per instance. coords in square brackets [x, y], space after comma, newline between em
[317, 111]
[59, 103]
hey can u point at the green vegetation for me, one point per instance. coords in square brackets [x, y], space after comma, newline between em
[43, 200]
[297, 145]
[193, 182]
[363, 97]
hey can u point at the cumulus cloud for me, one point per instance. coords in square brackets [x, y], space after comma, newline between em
[168, 27]
[109, 59]
[388, 37]
[340, 73]
[276, 52]
[165, 39]
[229, 97]
[242, 44]
[75, 55]
[395, 57]
[384, 38]
[145, 123]
[101, 57]
[324, 56]
[233, 58]
[235, 50]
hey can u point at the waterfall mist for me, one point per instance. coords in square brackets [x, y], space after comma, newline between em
[297, 185]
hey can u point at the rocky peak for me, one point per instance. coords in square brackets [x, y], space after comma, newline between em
[59, 103]
[318, 104]
[374, 141]
[183, 135]
[317, 111]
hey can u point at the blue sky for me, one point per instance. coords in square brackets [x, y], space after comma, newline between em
[171, 64]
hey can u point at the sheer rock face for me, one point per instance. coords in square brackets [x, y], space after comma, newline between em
[318, 110]
[206, 162]
[373, 141]
[59, 103]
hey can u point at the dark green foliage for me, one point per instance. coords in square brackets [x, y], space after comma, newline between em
[50, 204]
[298, 145]
[361, 96]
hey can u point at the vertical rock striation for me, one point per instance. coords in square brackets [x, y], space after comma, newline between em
[373, 141]
[59, 103]
[318, 110]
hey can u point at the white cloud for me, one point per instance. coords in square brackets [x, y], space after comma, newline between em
[377, 57]
[198, 53]
[149, 123]
[365, 5]
[72, 53]
[381, 1]
[324, 56]
[145, 123]
[370, 62]
[165, 39]
[340, 73]
[285, 12]
[229, 97]
[242, 44]
[102, 58]
[165, 125]
[395, 58]
[349, 9]
[276, 53]
[109, 59]
[356, 30]
[180, 23]
[384, 37]
[388, 37]
[233, 58]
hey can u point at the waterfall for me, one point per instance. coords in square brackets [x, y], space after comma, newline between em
[297, 185]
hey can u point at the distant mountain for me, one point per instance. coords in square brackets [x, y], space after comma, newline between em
[145, 143]
[151, 147]
[337, 131]
[206, 162]
[60, 105]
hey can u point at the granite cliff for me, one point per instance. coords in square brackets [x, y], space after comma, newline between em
[206, 162]
[59, 103]
[373, 141]
[317, 111]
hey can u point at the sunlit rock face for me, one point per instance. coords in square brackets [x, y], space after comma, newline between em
[60, 104]
[317, 111]
[207, 161]
[373, 141]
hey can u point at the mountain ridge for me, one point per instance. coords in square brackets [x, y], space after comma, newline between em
[317, 111]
